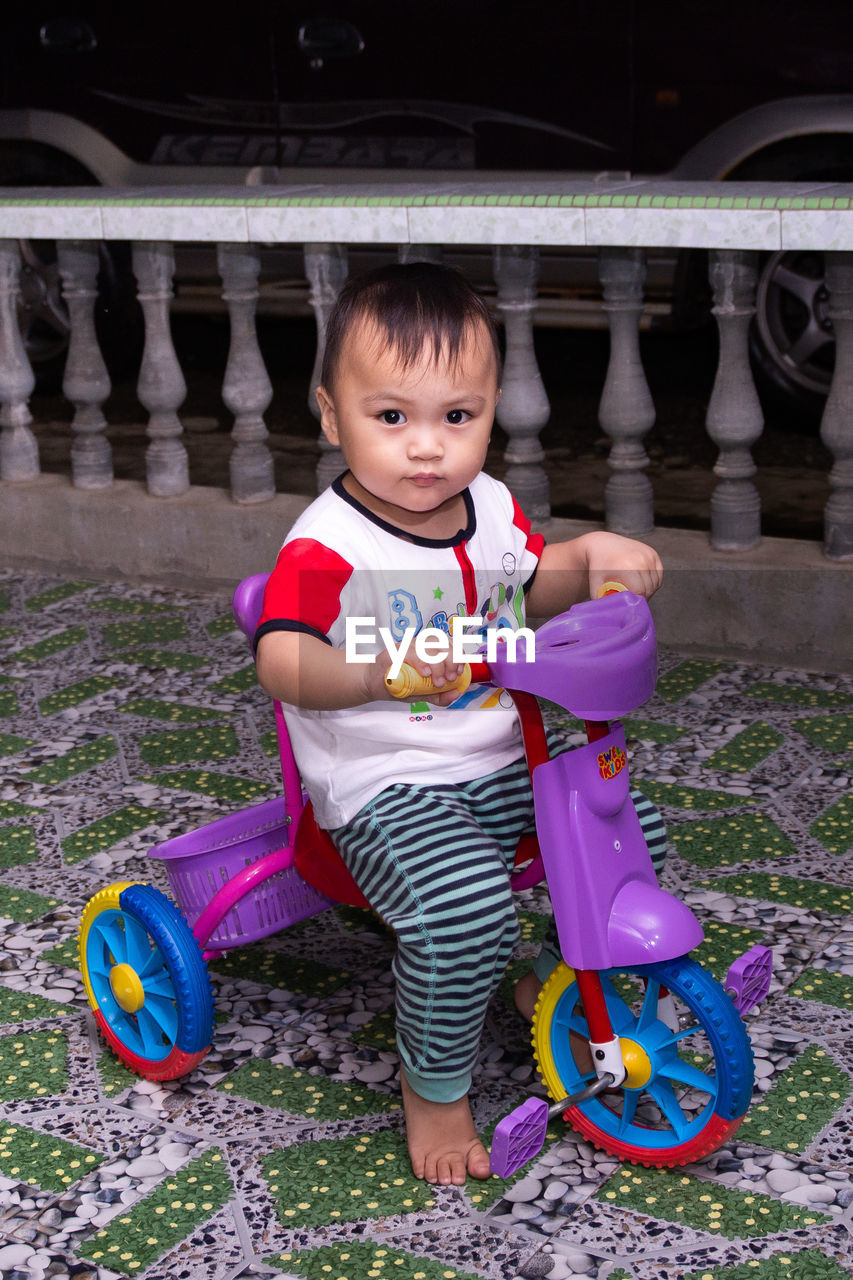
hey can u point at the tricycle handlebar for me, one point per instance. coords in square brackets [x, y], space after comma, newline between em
[598, 660]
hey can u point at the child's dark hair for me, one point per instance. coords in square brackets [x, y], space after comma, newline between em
[413, 305]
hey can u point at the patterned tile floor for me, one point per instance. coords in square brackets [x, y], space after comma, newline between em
[128, 716]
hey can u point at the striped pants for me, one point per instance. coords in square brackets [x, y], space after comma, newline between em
[434, 862]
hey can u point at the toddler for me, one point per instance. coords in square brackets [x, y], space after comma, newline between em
[424, 800]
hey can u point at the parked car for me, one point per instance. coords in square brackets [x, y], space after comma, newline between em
[366, 90]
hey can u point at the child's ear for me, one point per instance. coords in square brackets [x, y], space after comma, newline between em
[328, 416]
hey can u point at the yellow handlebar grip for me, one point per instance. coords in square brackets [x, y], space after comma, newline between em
[608, 588]
[411, 684]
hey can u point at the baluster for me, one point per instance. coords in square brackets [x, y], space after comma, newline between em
[19, 455]
[421, 253]
[523, 408]
[246, 390]
[626, 410]
[734, 419]
[86, 382]
[326, 269]
[161, 387]
[836, 428]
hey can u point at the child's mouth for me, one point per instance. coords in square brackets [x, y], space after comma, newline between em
[424, 479]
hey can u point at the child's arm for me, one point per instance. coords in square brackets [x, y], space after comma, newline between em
[301, 670]
[576, 570]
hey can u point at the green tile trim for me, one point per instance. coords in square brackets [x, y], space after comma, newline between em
[356, 1260]
[584, 199]
[157, 631]
[33, 1065]
[173, 1210]
[724, 842]
[238, 681]
[173, 712]
[22, 905]
[57, 643]
[673, 1196]
[269, 742]
[351, 1179]
[165, 658]
[73, 694]
[289, 1089]
[54, 594]
[105, 832]
[206, 782]
[833, 733]
[21, 1006]
[221, 627]
[6, 632]
[43, 1161]
[8, 702]
[5, 601]
[277, 969]
[825, 987]
[76, 761]
[805, 1264]
[801, 695]
[17, 846]
[686, 678]
[181, 746]
[679, 797]
[834, 827]
[747, 749]
[804, 1099]
[811, 895]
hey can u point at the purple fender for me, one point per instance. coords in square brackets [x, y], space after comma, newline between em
[647, 924]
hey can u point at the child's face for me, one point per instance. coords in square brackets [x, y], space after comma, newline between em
[414, 437]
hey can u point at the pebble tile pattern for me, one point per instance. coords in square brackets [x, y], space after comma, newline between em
[131, 715]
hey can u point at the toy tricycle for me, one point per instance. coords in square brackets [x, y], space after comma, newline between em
[644, 1052]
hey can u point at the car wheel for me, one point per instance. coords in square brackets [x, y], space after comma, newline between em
[43, 312]
[792, 342]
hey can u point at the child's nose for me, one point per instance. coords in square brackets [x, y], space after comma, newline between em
[425, 442]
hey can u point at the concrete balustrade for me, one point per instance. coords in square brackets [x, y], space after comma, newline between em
[513, 220]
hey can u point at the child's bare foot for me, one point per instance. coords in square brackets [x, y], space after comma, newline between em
[526, 994]
[443, 1143]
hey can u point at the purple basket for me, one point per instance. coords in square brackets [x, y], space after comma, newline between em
[199, 863]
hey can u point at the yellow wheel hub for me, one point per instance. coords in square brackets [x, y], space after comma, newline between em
[127, 987]
[638, 1068]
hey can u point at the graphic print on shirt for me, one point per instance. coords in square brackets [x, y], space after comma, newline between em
[405, 612]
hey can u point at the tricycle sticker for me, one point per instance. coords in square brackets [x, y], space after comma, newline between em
[611, 762]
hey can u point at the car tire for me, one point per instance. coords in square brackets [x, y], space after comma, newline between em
[792, 344]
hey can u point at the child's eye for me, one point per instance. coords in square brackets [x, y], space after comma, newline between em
[392, 417]
[456, 417]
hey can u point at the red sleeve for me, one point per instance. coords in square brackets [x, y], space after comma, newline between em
[304, 589]
[535, 542]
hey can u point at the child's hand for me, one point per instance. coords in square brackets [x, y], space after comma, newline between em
[440, 673]
[611, 557]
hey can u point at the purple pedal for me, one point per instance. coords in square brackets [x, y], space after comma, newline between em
[519, 1137]
[748, 979]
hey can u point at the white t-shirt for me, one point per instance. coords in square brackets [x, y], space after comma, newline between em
[340, 560]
